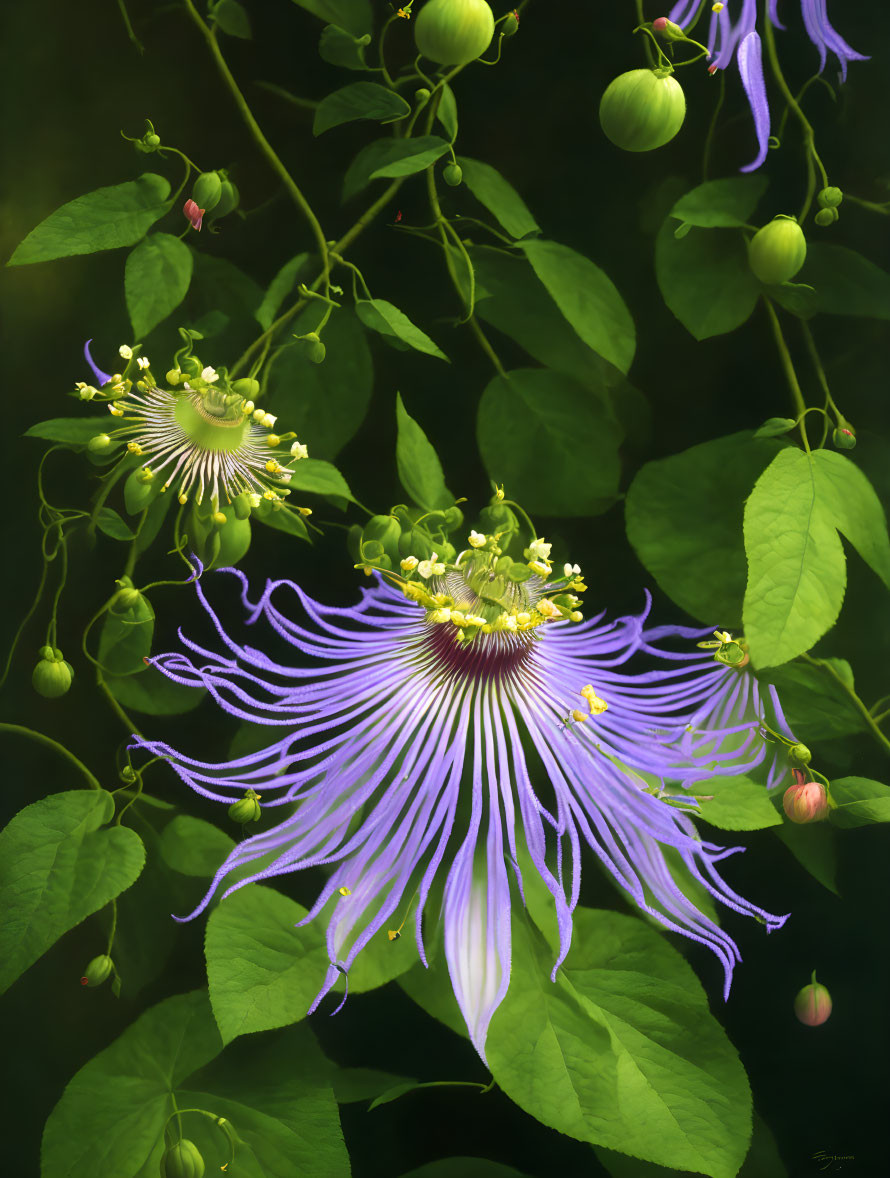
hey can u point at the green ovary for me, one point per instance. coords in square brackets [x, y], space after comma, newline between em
[221, 433]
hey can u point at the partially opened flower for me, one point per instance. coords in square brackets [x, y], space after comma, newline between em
[739, 40]
[454, 729]
[203, 437]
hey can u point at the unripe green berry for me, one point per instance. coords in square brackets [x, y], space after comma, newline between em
[98, 971]
[826, 217]
[317, 352]
[207, 191]
[799, 754]
[844, 437]
[99, 443]
[182, 1160]
[453, 174]
[246, 809]
[830, 198]
[642, 110]
[777, 251]
[453, 32]
[52, 677]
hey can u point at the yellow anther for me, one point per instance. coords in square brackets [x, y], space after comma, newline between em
[114, 411]
[305, 510]
[134, 447]
[718, 7]
[499, 493]
[273, 440]
[218, 517]
[345, 891]
[578, 716]
[272, 466]
[547, 609]
[393, 934]
[183, 498]
[576, 616]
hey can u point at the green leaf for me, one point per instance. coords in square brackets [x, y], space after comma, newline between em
[77, 431]
[223, 299]
[859, 801]
[721, 203]
[855, 509]
[737, 804]
[420, 471]
[775, 427]
[705, 279]
[499, 196]
[279, 288]
[383, 317]
[360, 100]
[153, 693]
[544, 436]
[56, 868]
[391, 157]
[353, 1084]
[232, 19]
[325, 404]
[846, 283]
[102, 220]
[110, 523]
[587, 298]
[353, 15]
[813, 846]
[285, 521]
[463, 1167]
[319, 478]
[339, 47]
[796, 567]
[689, 538]
[621, 1051]
[125, 639]
[815, 704]
[192, 846]
[446, 111]
[157, 276]
[117, 1106]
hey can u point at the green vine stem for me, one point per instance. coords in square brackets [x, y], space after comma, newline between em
[866, 715]
[48, 742]
[791, 376]
[265, 147]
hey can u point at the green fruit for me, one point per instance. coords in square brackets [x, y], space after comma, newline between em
[454, 32]
[98, 971]
[642, 110]
[182, 1160]
[52, 677]
[99, 443]
[228, 199]
[317, 352]
[777, 251]
[207, 191]
[453, 174]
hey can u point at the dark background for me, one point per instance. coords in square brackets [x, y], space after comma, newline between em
[71, 82]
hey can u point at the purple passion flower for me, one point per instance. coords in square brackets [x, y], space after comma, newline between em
[449, 729]
[739, 39]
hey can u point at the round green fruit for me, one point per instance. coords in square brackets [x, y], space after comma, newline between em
[52, 677]
[454, 32]
[207, 191]
[182, 1160]
[777, 251]
[642, 110]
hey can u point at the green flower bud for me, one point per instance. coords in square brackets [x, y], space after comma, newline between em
[453, 32]
[421, 96]
[667, 30]
[452, 519]
[241, 506]
[207, 190]
[46, 652]
[174, 376]
[229, 198]
[246, 809]
[128, 774]
[799, 754]
[844, 437]
[830, 198]
[247, 387]
[642, 110]
[826, 217]
[510, 24]
[99, 443]
[777, 251]
[453, 174]
[98, 971]
[153, 141]
[52, 676]
[384, 530]
[125, 599]
[317, 352]
[182, 1160]
[497, 518]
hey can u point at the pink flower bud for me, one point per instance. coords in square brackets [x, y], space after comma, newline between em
[193, 214]
[805, 801]
[813, 1004]
[660, 23]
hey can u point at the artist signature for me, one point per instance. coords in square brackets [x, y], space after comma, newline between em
[831, 1161]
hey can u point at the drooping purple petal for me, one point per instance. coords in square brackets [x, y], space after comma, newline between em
[102, 378]
[824, 37]
[750, 56]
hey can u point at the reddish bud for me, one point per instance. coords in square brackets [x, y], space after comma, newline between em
[813, 1004]
[805, 801]
[660, 24]
[193, 214]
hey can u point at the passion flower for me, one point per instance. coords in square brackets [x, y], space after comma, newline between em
[642, 110]
[777, 251]
[454, 32]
